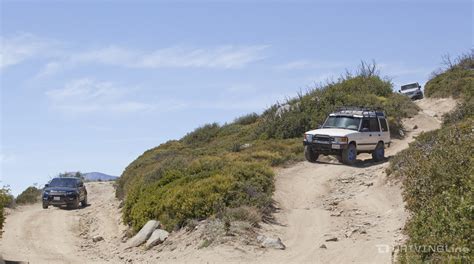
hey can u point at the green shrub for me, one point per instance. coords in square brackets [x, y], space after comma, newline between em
[244, 213]
[202, 134]
[456, 81]
[246, 119]
[29, 196]
[462, 111]
[437, 175]
[5, 200]
[202, 188]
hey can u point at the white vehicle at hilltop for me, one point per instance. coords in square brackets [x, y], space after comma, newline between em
[348, 132]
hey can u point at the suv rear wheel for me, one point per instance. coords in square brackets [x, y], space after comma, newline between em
[379, 152]
[349, 154]
[310, 154]
[84, 202]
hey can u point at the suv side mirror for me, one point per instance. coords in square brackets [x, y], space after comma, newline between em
[320, 126]
[364, 129]
[399, 91]
[46, 185]
[419, 86]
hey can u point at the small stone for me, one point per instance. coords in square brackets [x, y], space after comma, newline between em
[97, 239]
[323, 246]
[331, 239]
[268, 242]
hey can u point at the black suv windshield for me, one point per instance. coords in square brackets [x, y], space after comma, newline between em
[344, 122]
[63, 182]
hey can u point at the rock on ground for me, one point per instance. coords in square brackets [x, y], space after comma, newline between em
[143, 234]
[268, 242]
[156, 238]
[97, 238]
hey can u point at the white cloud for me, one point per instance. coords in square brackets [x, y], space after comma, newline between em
[6, 158]
[225, 57]
[88, 95]
[19, 48]
[306, 64]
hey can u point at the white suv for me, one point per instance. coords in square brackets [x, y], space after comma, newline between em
[348, 132]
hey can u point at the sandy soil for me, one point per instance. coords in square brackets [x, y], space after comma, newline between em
[357, 205]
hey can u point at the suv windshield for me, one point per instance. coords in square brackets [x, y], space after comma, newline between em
[63, 182]
[409, 86]
[344, 122]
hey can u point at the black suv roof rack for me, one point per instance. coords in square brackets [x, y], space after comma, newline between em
[360, 110]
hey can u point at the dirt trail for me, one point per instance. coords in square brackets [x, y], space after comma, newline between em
[357, 205]
[56, 235]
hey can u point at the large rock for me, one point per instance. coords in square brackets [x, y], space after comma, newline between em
[158, 236]
[143, 234]
[268, 242]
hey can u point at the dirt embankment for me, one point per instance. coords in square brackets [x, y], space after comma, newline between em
[357, 206]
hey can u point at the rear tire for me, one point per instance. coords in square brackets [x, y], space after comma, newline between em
[310, 155]
[349, 154]
[379, 152]
[45, 206]
[84, 202]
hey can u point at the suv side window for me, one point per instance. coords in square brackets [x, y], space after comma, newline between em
[383, 124]
[365, 124]
[374, 125]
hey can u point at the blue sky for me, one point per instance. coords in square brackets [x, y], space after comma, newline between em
[90, 86]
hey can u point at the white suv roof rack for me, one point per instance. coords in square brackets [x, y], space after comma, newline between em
[358, 111]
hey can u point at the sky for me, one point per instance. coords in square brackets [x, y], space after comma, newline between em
[90, 85]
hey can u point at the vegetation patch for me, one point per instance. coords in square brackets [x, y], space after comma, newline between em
[29, 196]
[456, 81]
[437, 176]
[226, 170]
[6, 199]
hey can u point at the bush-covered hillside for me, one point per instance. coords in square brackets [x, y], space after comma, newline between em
[29, 195]
[437, 173]
[456, 81]
[218, 169]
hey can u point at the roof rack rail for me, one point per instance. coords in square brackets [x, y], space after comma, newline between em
[358, 108]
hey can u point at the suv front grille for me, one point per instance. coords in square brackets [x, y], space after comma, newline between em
[323, 138]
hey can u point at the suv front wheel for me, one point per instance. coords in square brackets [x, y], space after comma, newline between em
[310, 154]
[349, 154]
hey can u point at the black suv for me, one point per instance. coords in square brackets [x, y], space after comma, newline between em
[67, 191]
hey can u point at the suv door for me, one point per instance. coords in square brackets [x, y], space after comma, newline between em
[371, 135]
[385, 130]
[364, 141]
[376, 134]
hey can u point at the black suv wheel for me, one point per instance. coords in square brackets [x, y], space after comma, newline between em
[310, 154]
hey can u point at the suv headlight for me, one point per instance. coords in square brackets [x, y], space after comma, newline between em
[70, 193]
[341, 140]
[308, 137]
